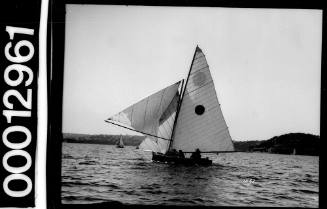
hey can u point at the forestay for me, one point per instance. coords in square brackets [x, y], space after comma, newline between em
[153, 116]
[200, 122]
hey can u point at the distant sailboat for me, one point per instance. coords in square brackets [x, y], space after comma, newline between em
[184, 119]
[120, 143]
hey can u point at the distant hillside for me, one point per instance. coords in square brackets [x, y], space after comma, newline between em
[243, 146]
[102, 139]
[300, 143]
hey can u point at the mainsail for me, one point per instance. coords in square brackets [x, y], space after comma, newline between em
[153, 116]
[200, 122]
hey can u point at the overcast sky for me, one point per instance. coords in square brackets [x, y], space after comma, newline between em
[265, 64]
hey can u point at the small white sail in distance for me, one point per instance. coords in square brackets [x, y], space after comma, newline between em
[121, 143]
[153, 116]
[200, 122]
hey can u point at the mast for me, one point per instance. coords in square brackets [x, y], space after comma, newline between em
[181, 100]
[177, 111]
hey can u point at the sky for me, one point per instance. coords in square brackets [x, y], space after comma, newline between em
[265, 63]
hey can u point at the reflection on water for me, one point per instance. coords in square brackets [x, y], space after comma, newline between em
[102, 173]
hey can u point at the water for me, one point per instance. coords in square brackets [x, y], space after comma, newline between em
[103, 173]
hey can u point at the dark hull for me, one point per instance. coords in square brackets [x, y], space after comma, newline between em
[119, 146]
[160, 158]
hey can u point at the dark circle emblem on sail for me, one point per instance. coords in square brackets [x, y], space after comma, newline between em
[199, 109]
[199, 79]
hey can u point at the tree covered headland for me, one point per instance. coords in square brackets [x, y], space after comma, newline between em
[292, 143]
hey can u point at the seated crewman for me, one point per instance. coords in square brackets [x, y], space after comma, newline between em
[181, 154]
[196, 155]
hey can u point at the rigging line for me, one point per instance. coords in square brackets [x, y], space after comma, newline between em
[136, 130]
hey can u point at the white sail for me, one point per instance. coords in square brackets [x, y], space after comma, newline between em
[121, 143]
[164, 129]
[149, 144]
[200, 123]
[153, 116]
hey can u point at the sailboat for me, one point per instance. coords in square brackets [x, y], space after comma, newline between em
[184, 118]
[120, 143]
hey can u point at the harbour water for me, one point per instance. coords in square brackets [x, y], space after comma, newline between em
[94, 173]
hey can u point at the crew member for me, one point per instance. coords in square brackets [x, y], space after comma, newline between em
[196, 155]
[181, 154]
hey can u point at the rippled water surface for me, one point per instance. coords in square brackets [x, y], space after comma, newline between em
[103, 173]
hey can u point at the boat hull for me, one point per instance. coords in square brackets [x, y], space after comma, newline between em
[161, 158]
[119, 146]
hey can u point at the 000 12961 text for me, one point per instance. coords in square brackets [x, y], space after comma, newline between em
[17, 68]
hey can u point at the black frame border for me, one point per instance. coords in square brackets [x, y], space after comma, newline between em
[56, 50]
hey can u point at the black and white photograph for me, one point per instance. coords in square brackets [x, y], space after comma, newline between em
[191, 106]
[23, 129]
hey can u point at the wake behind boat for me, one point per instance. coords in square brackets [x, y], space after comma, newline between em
[184, 118]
